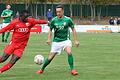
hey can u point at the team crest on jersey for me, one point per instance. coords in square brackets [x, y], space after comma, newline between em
[56, 25]
[27, 24]
[17, 25]
[64, 24]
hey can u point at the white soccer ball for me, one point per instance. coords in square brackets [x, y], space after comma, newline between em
[39, 59]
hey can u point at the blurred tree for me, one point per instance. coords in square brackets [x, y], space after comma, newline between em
[91, 3]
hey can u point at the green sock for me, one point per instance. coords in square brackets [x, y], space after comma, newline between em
[45, 64]
[7, 35]
[70, 61]
[3, 34]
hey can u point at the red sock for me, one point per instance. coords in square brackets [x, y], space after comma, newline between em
[6, 67]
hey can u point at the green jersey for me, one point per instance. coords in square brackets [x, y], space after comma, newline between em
[8, 13]
[61, 28]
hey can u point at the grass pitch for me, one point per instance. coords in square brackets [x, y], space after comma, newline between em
[97, 58]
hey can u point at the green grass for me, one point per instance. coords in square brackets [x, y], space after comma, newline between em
[97, 58]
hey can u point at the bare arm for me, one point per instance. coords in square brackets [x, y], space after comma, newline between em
[3, 16]
[49, 37]
[76, 42]
[7, 28]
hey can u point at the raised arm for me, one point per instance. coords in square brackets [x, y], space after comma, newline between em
[7, 28]
[35, 21]
[41, 21]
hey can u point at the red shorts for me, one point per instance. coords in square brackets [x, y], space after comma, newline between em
[15, 48]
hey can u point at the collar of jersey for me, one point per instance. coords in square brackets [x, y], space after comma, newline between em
[60, 18]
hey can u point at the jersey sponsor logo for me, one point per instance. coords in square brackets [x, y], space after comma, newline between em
[60, 27]
[9, 14]
[23, 30]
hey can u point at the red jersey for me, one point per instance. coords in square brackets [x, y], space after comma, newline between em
[21, 31]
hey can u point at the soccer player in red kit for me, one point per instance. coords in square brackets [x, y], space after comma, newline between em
[21, 33]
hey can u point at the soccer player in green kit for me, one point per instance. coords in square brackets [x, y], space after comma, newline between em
[6, 15]
[61, 40]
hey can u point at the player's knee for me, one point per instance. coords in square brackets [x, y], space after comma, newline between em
[14, 60]
[51, 56]
[3, 58]
[69, 52]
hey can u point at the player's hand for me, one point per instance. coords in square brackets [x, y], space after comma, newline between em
[5, 16]
[76, 43]
[48, 23]
[49, 42]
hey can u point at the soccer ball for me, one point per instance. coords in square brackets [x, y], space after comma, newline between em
[39, 59]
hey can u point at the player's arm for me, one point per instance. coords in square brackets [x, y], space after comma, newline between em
[3, 15]
[35, 21]
[49, 37]
[76, 42]
[50, 33]
[7, 28]
[41, 21]
[12, 16]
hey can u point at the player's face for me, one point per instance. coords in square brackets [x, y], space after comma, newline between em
[8, 6]
[59, 12]
[25, 17]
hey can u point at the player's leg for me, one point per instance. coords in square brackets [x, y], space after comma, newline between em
[46, 63]
[55, 48]
[48, 60]
[3, 34]
[4, 57]
[7, 35]
[7, 66]
[7, 52]
[70, 57]
[67, 48]
[71, 60]
[9, 49]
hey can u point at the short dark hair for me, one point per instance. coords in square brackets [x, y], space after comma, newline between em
[22, 13]
[60, 6]
[8, 4]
